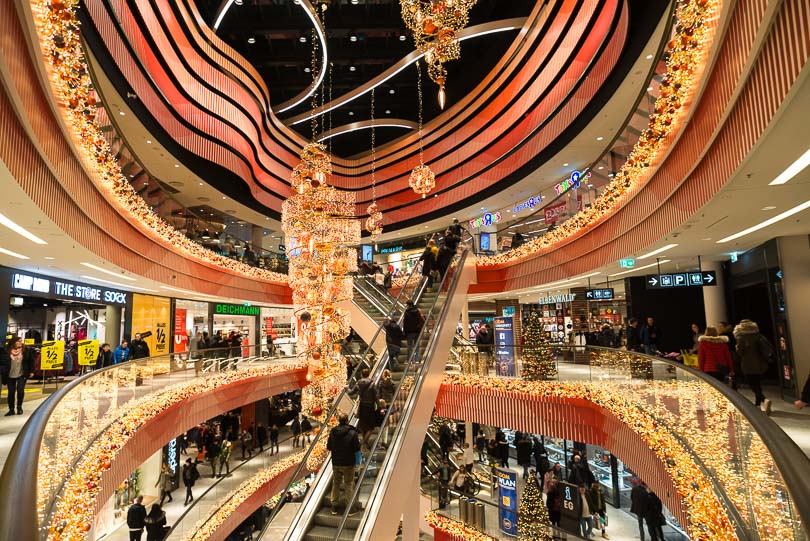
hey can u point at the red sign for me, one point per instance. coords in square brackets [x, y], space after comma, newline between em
[180, 331]
[559, 212]
[268, 326]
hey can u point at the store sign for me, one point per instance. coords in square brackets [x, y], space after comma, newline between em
[87, 352]
[508, 311]
[391, 249]
[627, 263]
[530, 203]
[570, 509]
[507, 501]
[572, 182]
[681, 279]
[485, 220]
[236, 309]
[554, 213]
[554, 299]
[67, 290]
[604, 294]
[52, 355]
[171, 457]
[180, 330]
[504, 346]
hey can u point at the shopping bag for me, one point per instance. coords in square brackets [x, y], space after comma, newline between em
[689, 359]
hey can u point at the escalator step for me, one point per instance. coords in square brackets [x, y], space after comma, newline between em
[324, 517]
[323, 533]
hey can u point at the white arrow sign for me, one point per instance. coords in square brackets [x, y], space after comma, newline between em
[708, 278]
[653, 280]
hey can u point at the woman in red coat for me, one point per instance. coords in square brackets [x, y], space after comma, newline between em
[714, 357]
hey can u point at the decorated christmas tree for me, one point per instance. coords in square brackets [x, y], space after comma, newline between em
[538, 358]
[533, 521]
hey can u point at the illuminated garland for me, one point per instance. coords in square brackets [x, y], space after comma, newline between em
[455, 528]
[60, 42]
[686, 55]
[75, 509]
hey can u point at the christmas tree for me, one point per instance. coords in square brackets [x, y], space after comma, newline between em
[533, 521]
[538, 358]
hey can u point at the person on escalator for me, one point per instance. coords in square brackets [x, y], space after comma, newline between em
[367, 411]
[443, 475]
[445, 440]
[393, 340]
[524, 455]
[412, 324]
[344, 444]
[429, 262]
[445, 256]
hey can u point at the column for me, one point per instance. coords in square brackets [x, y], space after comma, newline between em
[112, 329]
[714, 298]
[411, 516]
[257, 238]
[794, 256]
[5, 295]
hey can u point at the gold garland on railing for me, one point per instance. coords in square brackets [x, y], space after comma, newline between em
[60, 42]
[455, 528]
[686, 55]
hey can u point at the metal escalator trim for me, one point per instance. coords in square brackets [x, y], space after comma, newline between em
[460, 271]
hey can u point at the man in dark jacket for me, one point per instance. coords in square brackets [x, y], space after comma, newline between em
[445, 440]
[755, 353]
[190, 476]
[412, 325]
[366, 409]
[580, 474]
[456, 228]
[451, 239]
[638, 504]
[393, 340]
[654, 516]
[444, 258]
[540, 459]
[633, 335]
[136, 517]
[650, 337]
[524, 454]
[503, 447]
[343, 443]
[138, 348]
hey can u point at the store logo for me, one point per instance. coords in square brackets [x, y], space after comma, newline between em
[554, 299]
[31, 283]
[573, 181]
[485, 220]
[237, 310]
[530, 203]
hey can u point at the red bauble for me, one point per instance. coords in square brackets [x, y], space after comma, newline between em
[316, 411]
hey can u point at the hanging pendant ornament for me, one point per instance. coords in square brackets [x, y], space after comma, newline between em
[375, 217]
[422, 179]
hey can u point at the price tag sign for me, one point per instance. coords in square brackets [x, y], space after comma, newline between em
[52, 355]
[88, 352]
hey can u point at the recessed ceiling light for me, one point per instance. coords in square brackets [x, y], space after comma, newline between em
[177, 165]
[302, 39]
[352, 68]
[793, 169]
[601, 167]
[307, 70]
[353, 38]
[238, 2]
[766, 223]
[482, 208]
[20, 230]
[105, 271]
[19, 256]
[49, 258]
[658, 251]
[649, 57]
[388, 111]
[707, 238]
[590, 185]
[565, 165]
[148, 141]
[351, 113]
[201, 183]
[402, 37]
[122, 113]
[251, 40]
[599, 138]
[769, 207]
[392, 91]
[223, 197]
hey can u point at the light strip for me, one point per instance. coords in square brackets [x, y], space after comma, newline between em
[793, 169]
[766, 223]
[102, 280]
[222, 11]
[111, 273]
[353, 128]
[13, 254]
[640, 268]
[20, 230]
[658, 251]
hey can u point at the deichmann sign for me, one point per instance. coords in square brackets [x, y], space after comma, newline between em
[43, 285]
[237, 309]
[554, 299]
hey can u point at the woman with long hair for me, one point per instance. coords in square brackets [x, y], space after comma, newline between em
[16, 366]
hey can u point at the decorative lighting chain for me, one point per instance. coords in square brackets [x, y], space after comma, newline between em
[422, 179]
[374, 220]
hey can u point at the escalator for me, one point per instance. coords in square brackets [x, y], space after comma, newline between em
[379, 487]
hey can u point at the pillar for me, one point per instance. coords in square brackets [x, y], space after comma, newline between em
[112, 329]
[714, 298]
[257, 239]
[794, 259]
[411, 516]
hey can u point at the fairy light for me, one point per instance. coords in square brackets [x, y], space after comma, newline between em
[375, 217]
[422, 179]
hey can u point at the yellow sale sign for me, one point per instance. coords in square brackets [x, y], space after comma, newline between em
[52, 355]
[88, 352]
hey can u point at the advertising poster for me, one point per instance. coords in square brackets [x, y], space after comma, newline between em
[152, 314]
[504, 346]
[180, 331]
[52, 355]
[88, 352]
[507, 501]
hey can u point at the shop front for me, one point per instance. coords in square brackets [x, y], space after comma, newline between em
[191, 320]
[241, 319]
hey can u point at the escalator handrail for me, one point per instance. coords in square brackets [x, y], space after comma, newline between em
[369, 297]
[416, 384]
[789, 459]
[333, 408]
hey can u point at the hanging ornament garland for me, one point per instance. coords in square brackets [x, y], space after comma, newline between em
[374, 220]
[422, 179]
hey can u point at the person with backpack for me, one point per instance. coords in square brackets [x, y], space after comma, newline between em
[393, 340]
[429, 259]
[190, 476]
[755, 354]
[714, 357]
[412, 324]
[344, 444]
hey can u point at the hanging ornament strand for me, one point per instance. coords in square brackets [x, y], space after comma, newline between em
[422, 179]
[374, 220]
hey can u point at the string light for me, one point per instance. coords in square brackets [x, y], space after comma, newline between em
[375, 217]
[422, 179]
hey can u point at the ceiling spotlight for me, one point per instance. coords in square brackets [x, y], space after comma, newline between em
[392, 91]
[351, 113]
[565, 165]
[352, 68]
[148, 142]
[769, 207]
[388, 111]
[177, 165]
[122, 113]
[601, 167]
[355, 2]
[302, 39]
[238, 2]
[649, 57]
[251, 40]
[307, 70]
[649, 89]
[353, 38]
[402, 37]
[599, 138]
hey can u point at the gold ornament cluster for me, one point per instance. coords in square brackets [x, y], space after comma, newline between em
[422, 180]
[321, 231]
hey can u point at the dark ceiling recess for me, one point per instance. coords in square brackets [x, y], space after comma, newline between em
[364, 39]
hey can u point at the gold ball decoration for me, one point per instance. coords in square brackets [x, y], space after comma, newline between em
[374, 220]
[422, 180]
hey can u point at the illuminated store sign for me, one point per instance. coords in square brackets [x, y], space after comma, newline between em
[391, 249]
[604, 294]
[681, 279]
[573, 182]
[530, 203]
[554, 299]
[67, 290]
[236, 309]
[485, 220]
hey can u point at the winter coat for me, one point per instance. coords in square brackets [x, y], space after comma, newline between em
[650, 335]
[598, 496]
[136, 516]
[367, 391]
[27, 362]
[713, 354]
[386, 389]
[638, 501]
[306, 426]
[633, 338]
[752, 361]
[295, 427]
[654, 510]
[445, 437]
[343, 443]
[524, 452]
[121, 355]
[139, 349]
[154, 523]
[165, 481]
[190, 474]
[429, 258]
[393, 334]
[413, 320]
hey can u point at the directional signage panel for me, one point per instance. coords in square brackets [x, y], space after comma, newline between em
[681, 279]
[604, 294]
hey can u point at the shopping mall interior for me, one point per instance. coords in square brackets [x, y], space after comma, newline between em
[377, 270]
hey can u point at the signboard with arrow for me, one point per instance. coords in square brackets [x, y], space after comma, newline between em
[681, 279]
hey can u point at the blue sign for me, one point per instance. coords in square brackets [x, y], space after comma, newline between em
[504, 346]
[507, 501]
[367, 252]
[508, 311]
[485, 245]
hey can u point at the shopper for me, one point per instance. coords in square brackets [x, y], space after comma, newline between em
[633, 336]
[580, 473]
[600, 507]
[273, 440]
[121, 353]
[606, 336]
[190, 476]
[225, 451]
[105, 356]
[553, 501]
[393, 340]
[429, 259]
[366, 410]
[139, 349]
[540, 458]
[481, 446]
[443, 476]
[468, 457]
[755, 352]
[650, 337]
[553, 475]
[136, 516]
[412, 324]
[696, 334]
[212, 452]
[503, 448]
[306, 429]
[445, 440]
[155, 523]
[638, 504]
[728, 331]
[261, 436]
[16, 366]
[247, 444]
[344, 444]
[713, 355]
[586, 510]
[445, 256]
[459, 479]
[654, 516]
[524, 454]
[295, 428]
[386, 387]
[166, 483]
